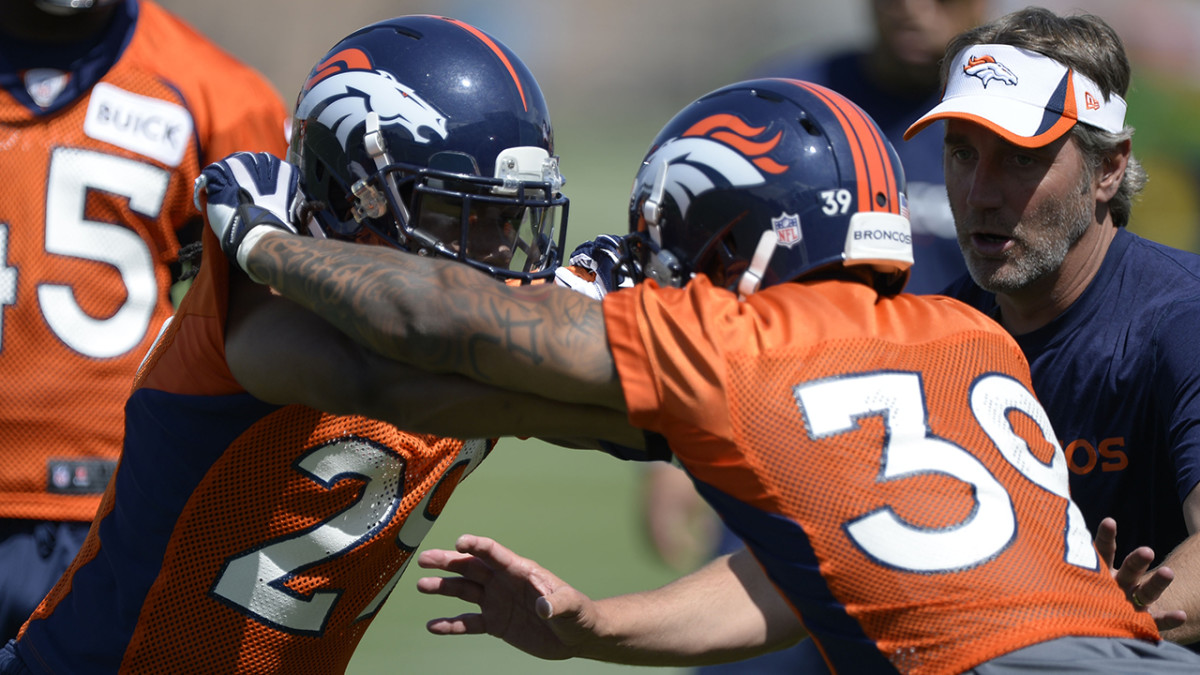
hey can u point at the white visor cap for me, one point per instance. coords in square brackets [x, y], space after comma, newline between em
[1027, 98]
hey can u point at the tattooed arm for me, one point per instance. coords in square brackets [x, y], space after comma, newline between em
[448, 318]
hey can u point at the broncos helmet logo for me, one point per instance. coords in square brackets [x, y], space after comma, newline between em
[346, 87]
[718, 151]
[989, 69]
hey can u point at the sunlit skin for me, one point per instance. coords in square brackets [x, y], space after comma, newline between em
[1032, 225]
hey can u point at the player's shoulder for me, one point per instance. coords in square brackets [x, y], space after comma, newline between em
[1147, 256]
[186, 57]
[233, 106]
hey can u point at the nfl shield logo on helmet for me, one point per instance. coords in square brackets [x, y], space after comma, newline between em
[787, 227]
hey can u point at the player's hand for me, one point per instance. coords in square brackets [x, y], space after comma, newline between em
[599, 266]
[519, 601]
[247, 195]
[1142, 586]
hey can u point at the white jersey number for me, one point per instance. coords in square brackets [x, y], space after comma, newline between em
[254, 580]
[73, 173]
[835, 406]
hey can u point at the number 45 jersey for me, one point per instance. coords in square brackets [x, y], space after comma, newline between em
[238, 536]
[99, 145]
[883, 458]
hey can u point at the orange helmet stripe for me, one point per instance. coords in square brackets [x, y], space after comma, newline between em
[872, 164]
[346, 59]
[495, 50]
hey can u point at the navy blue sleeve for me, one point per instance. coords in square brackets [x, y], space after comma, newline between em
[1177, 388]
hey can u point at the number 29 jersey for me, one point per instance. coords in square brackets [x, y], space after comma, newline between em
[238, 536]
[883, 458]
[97, 159]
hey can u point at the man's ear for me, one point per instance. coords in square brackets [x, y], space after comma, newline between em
[1112, 171]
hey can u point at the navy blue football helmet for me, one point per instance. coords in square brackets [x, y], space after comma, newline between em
[429, 133]
[766, 181]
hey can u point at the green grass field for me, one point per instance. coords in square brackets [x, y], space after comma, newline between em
[576, 512]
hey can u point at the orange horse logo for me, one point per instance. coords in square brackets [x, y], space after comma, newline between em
[719, 151]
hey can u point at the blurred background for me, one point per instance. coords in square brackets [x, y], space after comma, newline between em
[613, 73]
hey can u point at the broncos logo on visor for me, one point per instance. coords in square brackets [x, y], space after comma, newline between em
[718, 151]
[349, 87]
[989, 69]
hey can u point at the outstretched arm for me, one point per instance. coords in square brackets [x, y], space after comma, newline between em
[446, 317]
[284, 354]
[432, 313]
[725, 611]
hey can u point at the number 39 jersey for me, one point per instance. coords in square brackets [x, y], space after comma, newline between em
[97, 159]
[238, 536]
[882, 457]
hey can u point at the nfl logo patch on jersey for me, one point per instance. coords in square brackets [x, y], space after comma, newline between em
[45, 84]
[787, 227]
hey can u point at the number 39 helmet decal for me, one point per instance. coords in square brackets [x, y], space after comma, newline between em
[765, 181]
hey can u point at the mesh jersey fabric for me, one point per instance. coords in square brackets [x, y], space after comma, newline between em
[883, 459]
[95, 189]
[239, 536]
[1128, 345]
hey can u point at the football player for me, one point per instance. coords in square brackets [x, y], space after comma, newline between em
[264, 507]
[109, 109]
[881, 454]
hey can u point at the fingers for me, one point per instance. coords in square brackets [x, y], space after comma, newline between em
[1132, 569]
[490, 551]
[1151, 589]
[476, 562]
[1145, 594]
[447, 561]
[1106, 541]
[451, 587]
[463, 624]
[1169, 620]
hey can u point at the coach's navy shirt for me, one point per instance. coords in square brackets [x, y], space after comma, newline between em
[1119, 375]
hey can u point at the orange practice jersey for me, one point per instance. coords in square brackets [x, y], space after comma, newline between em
[238, 536]
[882, 457]
[97, 180]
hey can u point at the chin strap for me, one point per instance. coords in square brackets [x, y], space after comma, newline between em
[369, 203]
[752, 278]
[652, 207]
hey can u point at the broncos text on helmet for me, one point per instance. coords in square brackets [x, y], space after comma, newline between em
[429, 133]
[765, 181]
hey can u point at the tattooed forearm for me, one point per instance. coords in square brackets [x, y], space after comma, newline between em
[444, 316]
[345, 284]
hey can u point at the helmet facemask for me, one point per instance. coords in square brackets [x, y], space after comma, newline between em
[431, 136]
